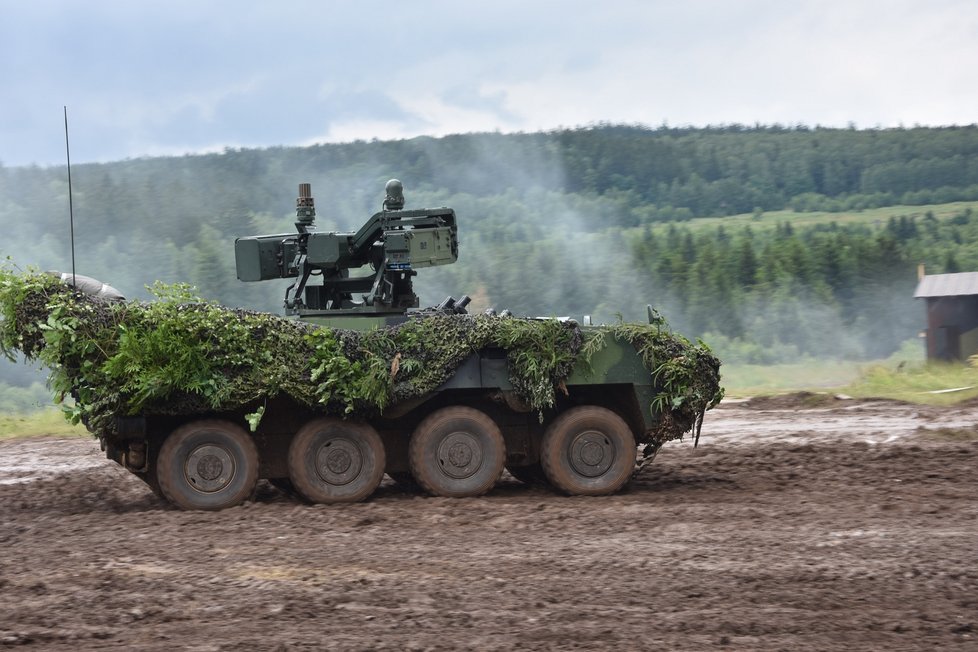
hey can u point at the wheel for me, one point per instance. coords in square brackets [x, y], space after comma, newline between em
[207, 464]
[531, 474]
[588, 451]
[336, 461]
[457, 452]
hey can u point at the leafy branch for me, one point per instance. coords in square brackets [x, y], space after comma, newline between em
[182, 355]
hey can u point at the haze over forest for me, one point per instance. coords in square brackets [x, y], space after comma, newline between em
[598, 221]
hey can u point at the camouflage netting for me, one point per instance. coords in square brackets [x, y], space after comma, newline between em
[179, 355]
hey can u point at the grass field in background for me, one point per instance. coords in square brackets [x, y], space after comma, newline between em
[914, 382]
[743, 380]
[46, 421]
[869, 216]
[917, 383]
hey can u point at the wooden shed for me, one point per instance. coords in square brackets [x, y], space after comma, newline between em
[952, 314]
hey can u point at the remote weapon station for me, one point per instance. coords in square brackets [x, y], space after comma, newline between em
[394, 243]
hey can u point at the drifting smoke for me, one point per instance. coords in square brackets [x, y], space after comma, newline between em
[530, 242]
[529, 246]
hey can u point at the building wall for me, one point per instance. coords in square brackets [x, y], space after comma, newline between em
[969, 343]
[951, 327]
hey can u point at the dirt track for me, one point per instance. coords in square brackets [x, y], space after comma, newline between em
[852, 526]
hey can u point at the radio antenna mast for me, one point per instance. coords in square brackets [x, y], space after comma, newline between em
[71, 210]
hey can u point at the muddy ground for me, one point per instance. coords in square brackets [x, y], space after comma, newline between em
[797, 524]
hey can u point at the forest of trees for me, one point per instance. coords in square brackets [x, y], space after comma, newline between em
[568, 222]
[827, 291]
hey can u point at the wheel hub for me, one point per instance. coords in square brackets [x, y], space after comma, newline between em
[460, 455]
[592, 454]
[209, 468]
[339, 461]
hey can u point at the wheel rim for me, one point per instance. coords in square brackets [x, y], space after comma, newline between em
[457, 452]
[592, 453]
[209, 468]
[460, 455]
[339, 461]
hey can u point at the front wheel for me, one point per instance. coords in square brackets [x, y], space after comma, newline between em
[457, 452]
[336, 461]
[588, 451]
[207, 464]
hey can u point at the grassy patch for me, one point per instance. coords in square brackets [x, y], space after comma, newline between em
[869, 216]
[741, 380]
[904, 376]
[47, 421]
[923, 383]
[914, 382]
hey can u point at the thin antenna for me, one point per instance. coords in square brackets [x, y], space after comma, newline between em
[71, 208]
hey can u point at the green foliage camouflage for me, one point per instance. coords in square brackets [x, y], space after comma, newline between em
[181, 355]
[686, 375]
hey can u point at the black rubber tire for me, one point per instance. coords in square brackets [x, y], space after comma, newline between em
[531, 474]
[457, 452]
[208, 464]
[336, 461]
[588, 451]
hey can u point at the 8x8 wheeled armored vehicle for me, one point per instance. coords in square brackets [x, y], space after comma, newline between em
[433, 397]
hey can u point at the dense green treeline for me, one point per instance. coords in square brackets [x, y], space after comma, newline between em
[829, 291]
[725, 171]
[584, 221]
[654, 174]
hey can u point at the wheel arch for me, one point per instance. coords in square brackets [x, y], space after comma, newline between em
[619, 398]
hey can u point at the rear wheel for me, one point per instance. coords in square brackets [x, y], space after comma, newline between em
[457, 452]
[336, 461]
[207, 464]
[589, 451]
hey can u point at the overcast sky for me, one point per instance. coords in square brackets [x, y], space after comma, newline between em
[143, 78]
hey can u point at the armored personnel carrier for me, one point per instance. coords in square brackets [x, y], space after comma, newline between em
[362, 381]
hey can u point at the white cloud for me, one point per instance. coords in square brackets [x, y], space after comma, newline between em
[139, 79]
